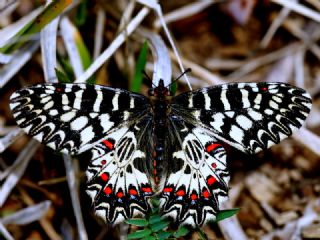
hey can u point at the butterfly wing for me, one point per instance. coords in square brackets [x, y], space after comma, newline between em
[198, 177]
[248, 116]
[118, 183]
[112, 123]
[71, 118]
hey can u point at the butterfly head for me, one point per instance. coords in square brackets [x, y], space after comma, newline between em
[161, 91]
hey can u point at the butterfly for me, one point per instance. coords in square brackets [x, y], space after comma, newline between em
[166, 146]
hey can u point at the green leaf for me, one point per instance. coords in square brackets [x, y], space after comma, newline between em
[150, 238]
[66, 68]
[83, 50]
[62, 77]
[162, 235]
[155, 218]
[140, 222]
[50, 12]
[155, 202]
[159, 225]
[202, 235]
[141, 63]
[226, 214]
[139, 234]
[155, 211]
[82, 13]
[182, 231]
[173, 88]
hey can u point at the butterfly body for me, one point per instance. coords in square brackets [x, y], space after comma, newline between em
[160, 104]
[162, 146]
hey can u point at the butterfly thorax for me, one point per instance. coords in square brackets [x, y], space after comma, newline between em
[160, 99]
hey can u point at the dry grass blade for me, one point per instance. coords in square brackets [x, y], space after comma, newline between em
[299, 8]
[253, 64]
[184, 12]
[21, 57]
[98, 36]
[162, 66]
[308, 139]
[276, 23]
[48, 37]
[113, 46]
[27, 215]
[7, 140]
[73, 184]
[4, 232]
[7, 34]
[19, 169]
[69, 34]
[230, 227]
[197, 70]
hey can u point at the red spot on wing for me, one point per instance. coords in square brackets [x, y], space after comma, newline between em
[263, 88]
[180, 193]
[133, 192]
[167, 189]
[120, 194]
[107, 190]
[104, 177]
[194, 197]
[214, 165]
[103, 162]
[59, 89]
[212, 147]
[108, 144]
[205, 194]
[211, 180]
[146, 189]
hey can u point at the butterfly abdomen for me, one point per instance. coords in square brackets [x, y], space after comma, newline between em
[160, 102]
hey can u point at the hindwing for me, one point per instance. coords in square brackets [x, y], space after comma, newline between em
[198, 176]
[118, 181]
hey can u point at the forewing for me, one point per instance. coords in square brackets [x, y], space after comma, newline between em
[118, 182]
[248, 116]
[71, 118]
[197, 181]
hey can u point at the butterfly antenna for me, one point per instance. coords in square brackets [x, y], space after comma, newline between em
[148, 77]
[188, 70]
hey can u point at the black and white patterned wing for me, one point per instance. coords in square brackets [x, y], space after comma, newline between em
[198, 177]
[71, 118]
[118, 182]
[112, 123]
[248, 116]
